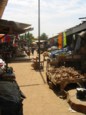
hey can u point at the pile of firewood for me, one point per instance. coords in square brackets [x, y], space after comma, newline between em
[65, 74]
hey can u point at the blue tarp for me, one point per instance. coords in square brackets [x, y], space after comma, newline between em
[59, 51]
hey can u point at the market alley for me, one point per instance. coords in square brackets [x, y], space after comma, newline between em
[40, 100]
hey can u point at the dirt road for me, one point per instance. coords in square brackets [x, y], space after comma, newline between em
[40, 100]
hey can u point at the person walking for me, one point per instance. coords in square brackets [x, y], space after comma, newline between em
[28, 53]
[32, 50]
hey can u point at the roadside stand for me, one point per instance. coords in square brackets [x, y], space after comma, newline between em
[11, 97]
[65, 72]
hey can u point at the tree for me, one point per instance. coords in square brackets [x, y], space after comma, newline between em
[29, 38]
[26, 38]
[43, 36]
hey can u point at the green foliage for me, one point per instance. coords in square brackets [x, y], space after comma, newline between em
[21, 37]
[28, 37]
[43, 36]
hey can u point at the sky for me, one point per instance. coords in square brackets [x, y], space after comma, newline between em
[55, 15]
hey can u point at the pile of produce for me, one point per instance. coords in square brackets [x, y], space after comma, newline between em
[64, 75]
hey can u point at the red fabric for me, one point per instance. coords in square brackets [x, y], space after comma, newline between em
[7, 38]
[2, 39]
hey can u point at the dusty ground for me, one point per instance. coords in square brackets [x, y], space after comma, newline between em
[40, 100]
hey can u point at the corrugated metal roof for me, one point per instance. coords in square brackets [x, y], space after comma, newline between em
[3, 4]
[76, 29]
[11, 27]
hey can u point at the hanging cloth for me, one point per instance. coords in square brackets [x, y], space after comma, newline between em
[64, 39]
[78, 43]
[2, 38]
[7, 38]
[16, 36]
[55, 41]
[52, 41]
[60, 37]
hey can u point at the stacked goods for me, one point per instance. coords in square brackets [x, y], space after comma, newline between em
[65, 75]
[36, 65]
[62, 73]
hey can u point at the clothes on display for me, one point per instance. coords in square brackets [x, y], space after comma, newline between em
[60, 36]
[64, 39]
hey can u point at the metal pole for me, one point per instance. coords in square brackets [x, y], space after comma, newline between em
[39, 31]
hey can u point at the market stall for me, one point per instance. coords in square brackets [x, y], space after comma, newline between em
[11, 97]
[66, 69]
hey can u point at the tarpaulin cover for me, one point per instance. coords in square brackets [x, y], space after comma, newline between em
[9, 91]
